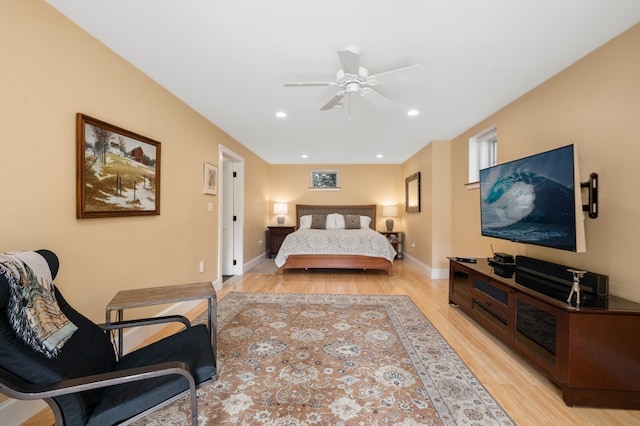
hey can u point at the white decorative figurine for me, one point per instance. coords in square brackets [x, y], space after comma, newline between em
[575, 288]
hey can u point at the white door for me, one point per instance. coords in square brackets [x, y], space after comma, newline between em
[231, 213]
[228, 212]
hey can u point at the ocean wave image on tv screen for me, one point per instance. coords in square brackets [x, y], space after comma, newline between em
[531, 200]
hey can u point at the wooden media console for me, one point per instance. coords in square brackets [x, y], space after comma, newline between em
[591, 352]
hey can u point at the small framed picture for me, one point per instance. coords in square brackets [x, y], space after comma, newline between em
[324, 180]
[210, 179]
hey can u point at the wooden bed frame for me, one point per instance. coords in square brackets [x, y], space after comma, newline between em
[336, 261]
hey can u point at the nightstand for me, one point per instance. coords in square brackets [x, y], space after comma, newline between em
[275, 237]
[397, 241]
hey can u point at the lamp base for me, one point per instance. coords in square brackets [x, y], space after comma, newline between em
[280, 220]
[389, 225]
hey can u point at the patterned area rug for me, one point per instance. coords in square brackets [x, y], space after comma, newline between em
[320, 359]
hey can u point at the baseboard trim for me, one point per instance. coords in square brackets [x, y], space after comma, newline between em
[253, 262]
[434, 274]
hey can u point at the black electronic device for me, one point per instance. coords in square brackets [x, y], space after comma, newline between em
[593, 283]
[466, 259]
[503, 258]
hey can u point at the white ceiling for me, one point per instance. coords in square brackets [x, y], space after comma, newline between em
[229, 59]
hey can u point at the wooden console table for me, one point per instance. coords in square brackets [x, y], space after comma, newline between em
[138, 298]
[592, 352]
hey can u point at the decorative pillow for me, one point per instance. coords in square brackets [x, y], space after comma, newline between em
[351, 221]
[335, 221]
[319, 221]
[305, 221]
[364, 222]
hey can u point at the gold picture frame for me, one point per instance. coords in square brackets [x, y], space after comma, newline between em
[117, 171]
[412, 193]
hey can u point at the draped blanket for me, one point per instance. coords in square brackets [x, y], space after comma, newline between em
[32, 309]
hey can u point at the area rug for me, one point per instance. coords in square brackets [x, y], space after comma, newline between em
[324, 359]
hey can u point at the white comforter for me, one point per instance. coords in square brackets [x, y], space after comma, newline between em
[364, 242]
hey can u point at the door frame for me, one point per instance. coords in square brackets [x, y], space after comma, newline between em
[238, 199]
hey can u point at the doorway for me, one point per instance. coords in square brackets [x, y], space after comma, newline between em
[231, 214]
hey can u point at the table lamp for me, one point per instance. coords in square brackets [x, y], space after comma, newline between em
[389, 212]
[280, 209]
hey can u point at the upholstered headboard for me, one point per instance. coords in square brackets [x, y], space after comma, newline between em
[368, 210]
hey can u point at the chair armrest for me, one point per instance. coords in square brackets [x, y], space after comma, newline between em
[31, 391]
[146, 321]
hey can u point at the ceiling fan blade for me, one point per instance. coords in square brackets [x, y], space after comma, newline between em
[350, 60]
[376, 99]
[309, 84]
[332, 103]
[414, 72]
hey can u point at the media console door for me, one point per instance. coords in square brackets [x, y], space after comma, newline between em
[593, 355]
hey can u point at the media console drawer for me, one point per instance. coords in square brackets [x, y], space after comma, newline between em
[590, 352]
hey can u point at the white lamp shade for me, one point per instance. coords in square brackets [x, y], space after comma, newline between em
[390, 211]
[280, 208]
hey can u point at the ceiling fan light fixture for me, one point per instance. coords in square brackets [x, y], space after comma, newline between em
[353, 78]
[352, 87]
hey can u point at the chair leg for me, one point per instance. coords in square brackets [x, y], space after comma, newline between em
[194, 406]
[57, 413]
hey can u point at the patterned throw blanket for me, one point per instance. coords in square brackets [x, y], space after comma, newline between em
[32, 308]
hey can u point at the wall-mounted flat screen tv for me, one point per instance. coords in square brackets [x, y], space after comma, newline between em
[535, 200]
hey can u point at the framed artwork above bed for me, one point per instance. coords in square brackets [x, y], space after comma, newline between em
[324, 180]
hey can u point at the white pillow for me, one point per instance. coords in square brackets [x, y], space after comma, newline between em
[364, 222]
[305, 221]
[335, 221]
[331, 221]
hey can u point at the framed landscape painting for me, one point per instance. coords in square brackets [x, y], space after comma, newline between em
[117, 171]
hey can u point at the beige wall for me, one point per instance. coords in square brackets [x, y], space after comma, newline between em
[49, 70]
[428, 232]
[594, 104]
[360, 184]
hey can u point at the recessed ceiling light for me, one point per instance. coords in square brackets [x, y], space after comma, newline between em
[281, 114]
[305, 156]
[379, 156]
[413, 112]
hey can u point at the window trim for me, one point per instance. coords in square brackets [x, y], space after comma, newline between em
[483, 153]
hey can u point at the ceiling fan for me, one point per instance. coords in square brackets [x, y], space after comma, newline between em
[354, 79]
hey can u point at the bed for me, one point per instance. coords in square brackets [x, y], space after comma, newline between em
[310, 248]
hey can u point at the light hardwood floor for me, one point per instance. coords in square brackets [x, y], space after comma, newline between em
[526, 395]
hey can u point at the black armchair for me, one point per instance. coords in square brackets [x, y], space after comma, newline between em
[86, 384]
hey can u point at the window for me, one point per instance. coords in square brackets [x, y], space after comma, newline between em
[324, 180]
[483, 152]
